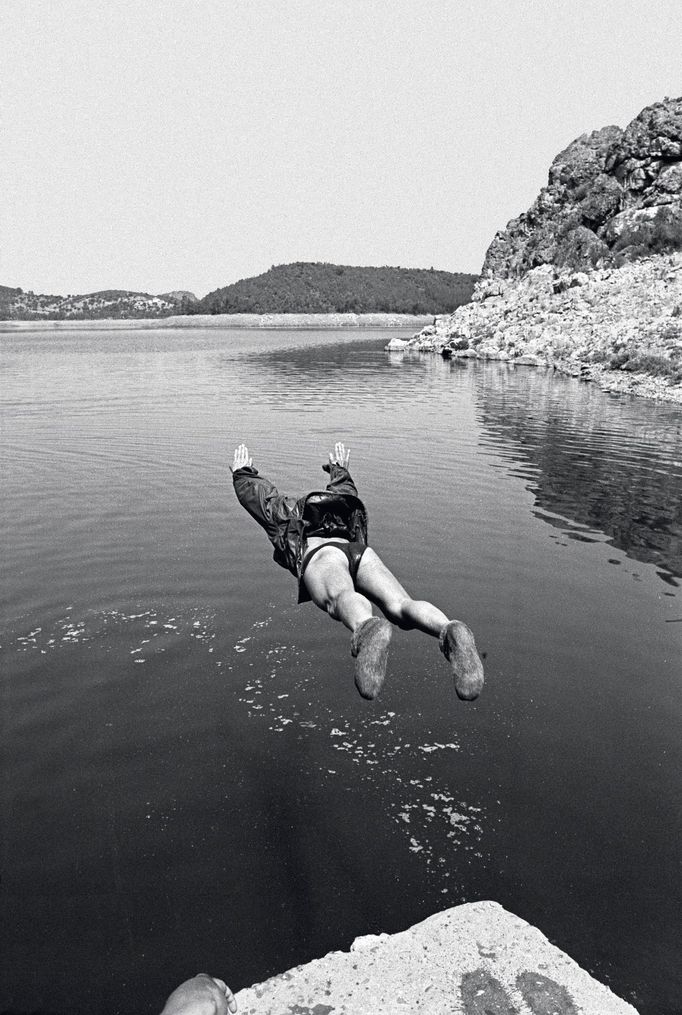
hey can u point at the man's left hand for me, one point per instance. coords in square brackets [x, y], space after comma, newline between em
[339, 456]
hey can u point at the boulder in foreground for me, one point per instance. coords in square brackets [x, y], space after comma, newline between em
[469, 960]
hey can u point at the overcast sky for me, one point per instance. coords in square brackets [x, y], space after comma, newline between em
[184, 144]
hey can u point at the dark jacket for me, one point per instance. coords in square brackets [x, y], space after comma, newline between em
[288, 520]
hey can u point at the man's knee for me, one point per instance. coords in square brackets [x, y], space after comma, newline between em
[339, 601]
[397, 609]
[323, 601]
[331, 605]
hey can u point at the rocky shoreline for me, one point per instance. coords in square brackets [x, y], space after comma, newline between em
[618, 327]
[298, 321]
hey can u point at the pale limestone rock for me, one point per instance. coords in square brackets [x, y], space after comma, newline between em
[530, 360]
[612, 320]
[368, 942]
[463, 961]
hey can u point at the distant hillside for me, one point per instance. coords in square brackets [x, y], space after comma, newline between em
[180, 296]
[319, 288]
[299, 288]
[17, 305]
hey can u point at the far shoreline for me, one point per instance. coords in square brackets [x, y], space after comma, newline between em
[225, 321]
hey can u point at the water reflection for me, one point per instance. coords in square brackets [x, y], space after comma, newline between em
[189, 771]
[590, 465]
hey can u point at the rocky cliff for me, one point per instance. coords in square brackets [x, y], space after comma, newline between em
[612, 195]
[589, 279]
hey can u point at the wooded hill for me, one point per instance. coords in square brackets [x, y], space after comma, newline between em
[299, 288]
[320, 288]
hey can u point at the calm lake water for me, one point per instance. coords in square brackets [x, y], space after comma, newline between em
[190, 780]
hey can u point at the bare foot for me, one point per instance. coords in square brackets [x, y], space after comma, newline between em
[459, 648]
[369, 646]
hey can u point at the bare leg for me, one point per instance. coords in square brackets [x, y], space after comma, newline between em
[382, 587]
[330, 585]
[454, 638]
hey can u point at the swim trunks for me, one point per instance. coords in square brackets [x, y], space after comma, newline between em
[353, 552]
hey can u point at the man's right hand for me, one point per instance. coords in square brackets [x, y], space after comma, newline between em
[339, 456]
[241, 458]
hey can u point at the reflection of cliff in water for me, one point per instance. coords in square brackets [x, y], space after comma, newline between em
[594, 462]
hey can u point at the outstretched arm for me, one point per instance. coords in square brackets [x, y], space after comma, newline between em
[257, 494]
